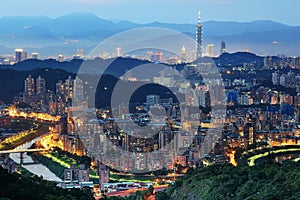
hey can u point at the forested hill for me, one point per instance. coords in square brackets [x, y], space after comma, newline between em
[118, 66]
[265, 182]
[115, 66]
[17, 187]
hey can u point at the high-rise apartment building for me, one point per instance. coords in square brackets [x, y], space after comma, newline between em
[77, 98]
[29, 86]
[40, 85]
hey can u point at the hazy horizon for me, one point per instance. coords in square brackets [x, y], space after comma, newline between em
[175, 11]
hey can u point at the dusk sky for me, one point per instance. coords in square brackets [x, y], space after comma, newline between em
[176, 11]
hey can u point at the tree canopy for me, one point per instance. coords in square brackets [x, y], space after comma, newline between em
[18, 187]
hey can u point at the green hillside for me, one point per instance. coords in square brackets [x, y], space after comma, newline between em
[265, 181]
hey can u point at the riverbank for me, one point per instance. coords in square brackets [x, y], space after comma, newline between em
[30, 165]
[54, 167]
[23, 137]
[58, 161]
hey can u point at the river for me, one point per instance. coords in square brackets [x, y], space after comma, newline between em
[37, 169]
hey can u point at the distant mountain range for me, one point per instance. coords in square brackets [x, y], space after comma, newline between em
[51, 36]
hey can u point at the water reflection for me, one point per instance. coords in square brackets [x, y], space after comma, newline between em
[37, 169]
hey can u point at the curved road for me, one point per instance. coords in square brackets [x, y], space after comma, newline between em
[252, 159]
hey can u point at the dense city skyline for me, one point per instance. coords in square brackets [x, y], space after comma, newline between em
[175, 12]
[186, 107]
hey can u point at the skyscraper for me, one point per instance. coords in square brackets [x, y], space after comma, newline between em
[60, 88]
[119, 51]
[199, 38]
[20, 55]
[40, 85]
[210, 50]
[77, 92]
[40, 88]
[29, 86]
[222, 48]
[68, 89]
[183, 54]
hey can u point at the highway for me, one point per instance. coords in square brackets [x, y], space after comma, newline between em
[22, 151]
[130, 191]
[252, 159]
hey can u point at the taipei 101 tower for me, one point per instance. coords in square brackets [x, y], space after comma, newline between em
[199, 38]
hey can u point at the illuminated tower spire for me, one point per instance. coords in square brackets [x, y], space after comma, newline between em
[199, 38]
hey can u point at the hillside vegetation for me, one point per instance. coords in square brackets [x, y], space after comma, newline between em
[264, 181]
